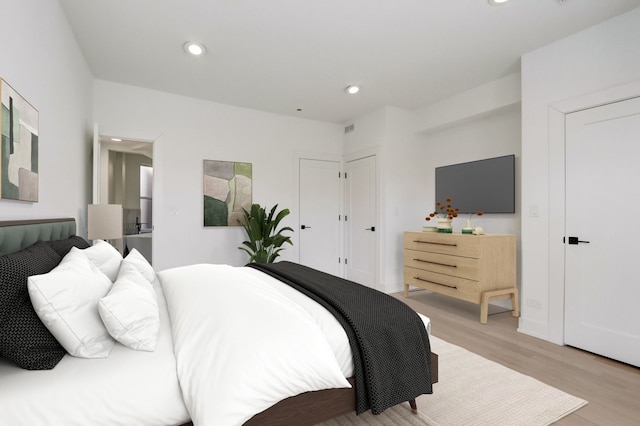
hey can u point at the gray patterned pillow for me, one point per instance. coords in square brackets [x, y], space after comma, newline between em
[62, 247]
[23, 337]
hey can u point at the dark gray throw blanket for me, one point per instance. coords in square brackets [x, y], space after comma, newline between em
[390, 345]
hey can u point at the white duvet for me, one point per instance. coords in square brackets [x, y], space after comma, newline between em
[127, 388]
[240, 345]
[242, 342]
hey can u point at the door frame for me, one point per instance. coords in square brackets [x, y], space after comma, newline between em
[302, 155]
[379, 238]
[557, 195]
[99, 164]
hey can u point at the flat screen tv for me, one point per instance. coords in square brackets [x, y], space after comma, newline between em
[484, 185]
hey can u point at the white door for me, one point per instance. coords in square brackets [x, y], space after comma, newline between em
[602, 285]
[320, 215]
[96, 165]
[360, 230]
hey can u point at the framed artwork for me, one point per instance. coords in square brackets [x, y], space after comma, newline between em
[19, 150]
[227, 190]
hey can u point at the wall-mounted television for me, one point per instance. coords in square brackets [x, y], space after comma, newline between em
[484, 185]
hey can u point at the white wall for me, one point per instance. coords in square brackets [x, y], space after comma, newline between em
[192, 130]
[402, 182]
[472, 104]
[369, 131]
[41, 60]
[494, 135]
[586, 69]
[481, 123]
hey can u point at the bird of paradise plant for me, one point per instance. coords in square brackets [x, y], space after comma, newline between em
[265, 241]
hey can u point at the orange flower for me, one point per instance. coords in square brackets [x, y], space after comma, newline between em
[478, 213]
[444, 211]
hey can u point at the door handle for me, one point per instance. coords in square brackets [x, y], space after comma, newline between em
[305, 227]
[576, 240]
[372, 229]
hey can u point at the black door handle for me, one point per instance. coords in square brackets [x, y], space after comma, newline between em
[372, 229]
[305, 227]
[575, 240]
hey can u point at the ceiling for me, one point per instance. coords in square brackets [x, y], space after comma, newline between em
[284, 56]
[129, 146]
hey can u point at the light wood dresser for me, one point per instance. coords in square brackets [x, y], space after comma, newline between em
[475, 268]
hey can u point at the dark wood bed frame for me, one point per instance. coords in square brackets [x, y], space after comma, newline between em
[308, 408]
[311, 408]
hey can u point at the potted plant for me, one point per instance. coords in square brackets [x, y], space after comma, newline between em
[265, 241]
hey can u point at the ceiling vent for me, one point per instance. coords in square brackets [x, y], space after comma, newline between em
[350, 128]
[561, 2]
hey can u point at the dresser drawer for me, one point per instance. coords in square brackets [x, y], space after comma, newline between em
[457, 266]
[475, 268]
[443, 284]
[453, 244]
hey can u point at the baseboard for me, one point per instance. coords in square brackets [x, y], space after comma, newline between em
[534, 328]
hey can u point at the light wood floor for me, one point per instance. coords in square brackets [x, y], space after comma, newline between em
[611, 388]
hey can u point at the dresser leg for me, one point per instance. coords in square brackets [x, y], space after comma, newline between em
[515, 305]
[507, 293]
[484, 309]
[406, 290]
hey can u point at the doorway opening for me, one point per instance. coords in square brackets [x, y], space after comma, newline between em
[126, 178]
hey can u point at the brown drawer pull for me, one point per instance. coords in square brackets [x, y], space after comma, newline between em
[436, 263]
[437, 244]
[433, 282]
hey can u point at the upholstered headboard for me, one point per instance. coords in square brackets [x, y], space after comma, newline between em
[16, 235]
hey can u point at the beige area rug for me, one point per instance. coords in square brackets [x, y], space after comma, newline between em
[473, 390]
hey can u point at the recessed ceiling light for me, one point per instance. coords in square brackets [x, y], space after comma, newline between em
[352, 90]
[496, 2]
[196, 49]
[116, 139]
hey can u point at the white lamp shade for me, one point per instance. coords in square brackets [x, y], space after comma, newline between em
[104, 221]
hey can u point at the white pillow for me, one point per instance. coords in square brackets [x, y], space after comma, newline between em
[130, 310]
[66, 301]
[142, 265]
[105, 257]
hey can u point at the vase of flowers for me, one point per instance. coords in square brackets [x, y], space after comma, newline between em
[444, 215]
[468, 229]
[444, 225]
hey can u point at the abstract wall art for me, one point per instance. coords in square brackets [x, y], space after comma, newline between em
[19, 147]
[227, 190]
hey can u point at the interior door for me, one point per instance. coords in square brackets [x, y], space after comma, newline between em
[361, 241]
[320, 212]
[96, 165]
[602, 288]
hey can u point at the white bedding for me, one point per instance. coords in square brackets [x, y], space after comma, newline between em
[142, 388]
[127, 388]
[241, 346]
[331, 328]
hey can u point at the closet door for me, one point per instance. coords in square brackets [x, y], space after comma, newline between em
[320, 206]
[360, 231]
[602, 281]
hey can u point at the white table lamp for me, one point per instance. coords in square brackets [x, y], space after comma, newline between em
[104, 221]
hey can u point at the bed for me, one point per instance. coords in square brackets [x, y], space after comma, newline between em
[163, 382]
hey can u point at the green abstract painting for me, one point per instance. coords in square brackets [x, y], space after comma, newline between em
[227, 190]
[19, 147]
